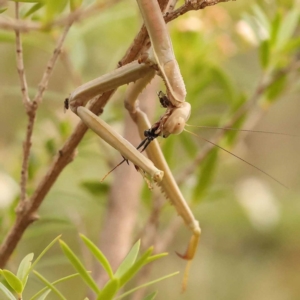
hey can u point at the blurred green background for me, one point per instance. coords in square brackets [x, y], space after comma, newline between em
[250, 246]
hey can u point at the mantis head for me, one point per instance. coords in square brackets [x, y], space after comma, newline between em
[175, 119]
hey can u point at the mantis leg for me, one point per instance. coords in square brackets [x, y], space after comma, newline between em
[168, 184]
[84, 93]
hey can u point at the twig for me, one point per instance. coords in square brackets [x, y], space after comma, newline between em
[20, 64]
[28, 109]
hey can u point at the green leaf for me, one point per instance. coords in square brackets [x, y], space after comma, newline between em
[33, 9]
[109, 290]
[205, 177]
[275, 28]
[261, 17]
[24, 267]
[287, 27]
[264, 53]
[42, 254]
[155, 257]
[79, 267]
[14, 282]
[35, 297]
[150, 296]
[44, 295]
[75, 4]
[291, 45]
[231, 135]
[136, 267]
[98, 255]
[3, 9]
[275, 89]
[54, 8]
[49, 285]
[50, 146]
[7, 292]
[64, 128]
[146, 285]
[129, 260]
[95, 187]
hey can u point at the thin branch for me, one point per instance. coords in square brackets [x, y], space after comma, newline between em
[28, 107]
[20, 64]
[26, 151]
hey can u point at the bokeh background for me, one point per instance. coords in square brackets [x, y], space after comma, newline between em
[250, 246]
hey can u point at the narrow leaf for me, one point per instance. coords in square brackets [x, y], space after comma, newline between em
[264, 53]
[136, 267]
[75, 4]
[24, 266]
[207, 170]
[109, 290]
[129, 260]
[35, 297]
[79, 267]
[155, 257]
[33, 9]
[49, 285]
[44, 295]
[98, 255]
[150, 296]
[276, 88]
[54, 8]
[42, 254]
[287, 28]
[275, 28]
[13, 281]
[3, 9]
[146, 285]
[7, 292]
[261, 17]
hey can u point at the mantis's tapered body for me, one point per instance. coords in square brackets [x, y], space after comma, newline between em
[160, 60]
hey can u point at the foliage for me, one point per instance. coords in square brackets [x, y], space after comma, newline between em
[128, 269]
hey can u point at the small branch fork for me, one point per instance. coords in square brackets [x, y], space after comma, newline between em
[26, 211]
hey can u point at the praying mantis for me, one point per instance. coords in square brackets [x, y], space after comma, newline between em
[158, 60]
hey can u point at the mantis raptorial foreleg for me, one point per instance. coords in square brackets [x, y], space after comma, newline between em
[158, 60]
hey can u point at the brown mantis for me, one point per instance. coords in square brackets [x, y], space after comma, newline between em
[158, 60]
